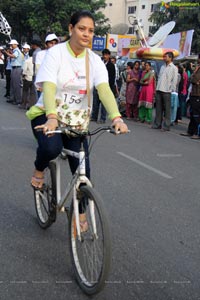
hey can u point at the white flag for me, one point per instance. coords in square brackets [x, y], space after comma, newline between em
[4, 26]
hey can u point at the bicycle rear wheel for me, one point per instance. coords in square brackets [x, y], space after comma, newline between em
[91, 255]
[45, 198]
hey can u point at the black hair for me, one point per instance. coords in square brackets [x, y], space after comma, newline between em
[148, 62]
[188, 67]
[184, 66]
[135, 62]
[77, 16]
[106, 51]
[113, 57]
[180, 70]
[130, 64]
[36, 42]
[170, 54]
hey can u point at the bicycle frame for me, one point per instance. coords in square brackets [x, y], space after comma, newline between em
[77, 179]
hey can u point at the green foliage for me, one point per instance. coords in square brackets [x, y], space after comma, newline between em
[28, 17]
[186, 18]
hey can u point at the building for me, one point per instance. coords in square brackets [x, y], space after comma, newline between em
[122, 11]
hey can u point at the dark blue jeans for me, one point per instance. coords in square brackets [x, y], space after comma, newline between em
[50, 147]
[95, 110]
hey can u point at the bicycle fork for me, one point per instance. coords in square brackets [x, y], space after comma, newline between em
[76, 213]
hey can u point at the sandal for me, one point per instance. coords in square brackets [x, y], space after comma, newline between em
[37, 180]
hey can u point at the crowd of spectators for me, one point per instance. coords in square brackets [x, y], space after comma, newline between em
[174, 93]
[19, 67]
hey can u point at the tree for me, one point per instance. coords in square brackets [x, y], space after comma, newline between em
[27, 17]
[186, 18]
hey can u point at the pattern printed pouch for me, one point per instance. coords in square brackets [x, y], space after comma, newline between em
[69, 114]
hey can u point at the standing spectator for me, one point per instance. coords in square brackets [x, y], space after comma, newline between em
[111, 78]
[147, 92]
[184, 91]
[142, 67]
[132, 89]
[35, 46]
[16, 73]
[181, 112]
[167, 81]
[194, 124]
[117, 79]
[174, 96]
[122, 94]
[28, 93]
[189, 70]
[180, 88]
[25, 50]
[1, 63]
[50, 41]
[8, 74]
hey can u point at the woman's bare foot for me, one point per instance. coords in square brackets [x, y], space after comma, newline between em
[83, 222]
[37, 179]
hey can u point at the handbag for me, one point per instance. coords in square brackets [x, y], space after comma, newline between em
[77, 119]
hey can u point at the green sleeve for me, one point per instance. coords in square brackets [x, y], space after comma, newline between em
[108, 100]
[49, 97]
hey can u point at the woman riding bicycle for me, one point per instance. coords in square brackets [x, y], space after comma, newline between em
[64, 78]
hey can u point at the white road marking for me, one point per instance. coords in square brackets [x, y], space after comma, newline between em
[168, 155]
[13, 128]
[140, 163]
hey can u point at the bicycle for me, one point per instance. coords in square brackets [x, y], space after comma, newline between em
[91, 249]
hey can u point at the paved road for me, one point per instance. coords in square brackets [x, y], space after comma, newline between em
[150, 184]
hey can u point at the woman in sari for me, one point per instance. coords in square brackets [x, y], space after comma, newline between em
[133, 76]
[148, 87]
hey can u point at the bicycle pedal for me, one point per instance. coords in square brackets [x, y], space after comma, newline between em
[62, 209]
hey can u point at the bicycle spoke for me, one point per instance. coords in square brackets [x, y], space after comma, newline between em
[45, 209]
[45, 205]
[91, 255]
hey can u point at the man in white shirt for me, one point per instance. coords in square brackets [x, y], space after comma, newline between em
[50, 41]
[167, 81]
[28, 93]
[25, 50]
[16, 64]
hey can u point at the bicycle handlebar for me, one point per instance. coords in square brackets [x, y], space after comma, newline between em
[81, 133]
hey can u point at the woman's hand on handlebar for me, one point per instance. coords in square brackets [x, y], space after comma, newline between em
[50, 125]
[119, 126]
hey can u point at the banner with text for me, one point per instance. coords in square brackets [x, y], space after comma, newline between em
[122, 44]
[98, 43]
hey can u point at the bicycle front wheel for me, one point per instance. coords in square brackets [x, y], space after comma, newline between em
[91, 254]
[45, 198]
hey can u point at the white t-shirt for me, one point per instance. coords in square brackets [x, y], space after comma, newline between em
[40, 56]
[28, 69]
[1, 59]
[69, 75]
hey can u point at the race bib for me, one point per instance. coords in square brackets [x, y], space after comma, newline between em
[72, 109]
